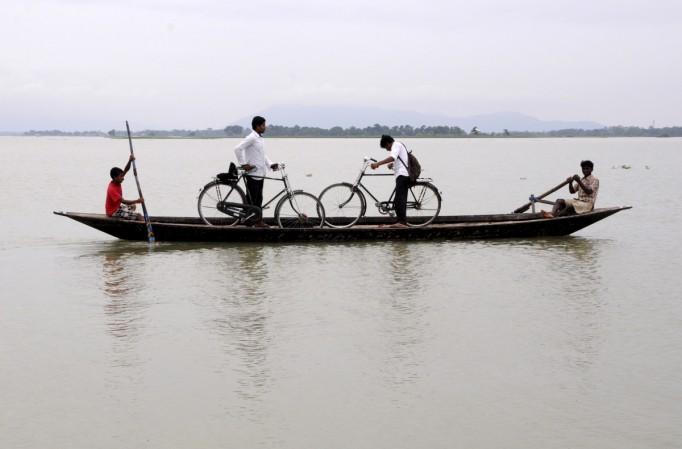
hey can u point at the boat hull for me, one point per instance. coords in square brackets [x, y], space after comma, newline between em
[189, 229]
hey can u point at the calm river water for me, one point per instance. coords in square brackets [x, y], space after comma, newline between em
[571, 342]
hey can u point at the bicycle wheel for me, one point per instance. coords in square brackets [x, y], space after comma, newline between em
[300, 210]
[423, 204]
[211, 195]
[343, 207]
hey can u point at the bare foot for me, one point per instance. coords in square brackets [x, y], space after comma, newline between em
[546, 214]
[261, 224]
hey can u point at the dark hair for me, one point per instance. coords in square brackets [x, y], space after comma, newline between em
[385, 140]
[114, 172]
[584, 164]
[257, 121]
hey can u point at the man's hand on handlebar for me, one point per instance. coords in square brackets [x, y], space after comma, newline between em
[375, 164]
[274, 167]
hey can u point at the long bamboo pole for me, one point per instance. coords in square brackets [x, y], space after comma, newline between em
[150, 232]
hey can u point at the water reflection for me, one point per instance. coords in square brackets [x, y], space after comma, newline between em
[404, 315]
[238, 283]
[123, 312]
[576, 258]
[583, 296]
[573, 280]
[243, 316]
[119, 289]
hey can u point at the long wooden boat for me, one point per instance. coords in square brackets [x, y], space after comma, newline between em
[190, 229]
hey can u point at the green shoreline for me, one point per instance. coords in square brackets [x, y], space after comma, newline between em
[137, 137]
[370, 132]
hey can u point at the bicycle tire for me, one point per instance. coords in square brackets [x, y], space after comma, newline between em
[211, 194]
[299, 210]
[339, 204]
[423, 204]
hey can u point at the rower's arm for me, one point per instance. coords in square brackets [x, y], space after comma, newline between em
[584, 187]
[127, 167]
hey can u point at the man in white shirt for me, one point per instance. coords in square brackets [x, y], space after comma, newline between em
[252, 158]
[399, 162]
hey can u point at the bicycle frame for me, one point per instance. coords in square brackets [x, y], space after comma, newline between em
[357, 185]
[284, 178]
[423, 201]
[285, 191]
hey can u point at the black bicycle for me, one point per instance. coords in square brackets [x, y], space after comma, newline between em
[345, 203]
[222, 202]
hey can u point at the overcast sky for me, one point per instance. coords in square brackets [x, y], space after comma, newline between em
[78, 65]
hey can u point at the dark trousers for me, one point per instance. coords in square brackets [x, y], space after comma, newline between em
[254, 191]
[402, 185]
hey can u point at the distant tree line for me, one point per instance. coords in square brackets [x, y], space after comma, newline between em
[610, 131]
[375, 131]
[369, 131]
[56, 132]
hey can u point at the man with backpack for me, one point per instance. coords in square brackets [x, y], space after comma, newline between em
[399, 162]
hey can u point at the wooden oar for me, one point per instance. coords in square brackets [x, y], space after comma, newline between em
[150, 232]
[539, 197]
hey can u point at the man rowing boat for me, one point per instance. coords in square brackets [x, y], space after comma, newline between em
[587, 189]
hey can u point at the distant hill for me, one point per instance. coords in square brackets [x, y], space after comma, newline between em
[347, 116]
[344, 116]
[514, 121]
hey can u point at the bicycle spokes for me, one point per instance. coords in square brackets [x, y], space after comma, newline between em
[343, 205]
[300, 210]
[423, 204]
[214, 200]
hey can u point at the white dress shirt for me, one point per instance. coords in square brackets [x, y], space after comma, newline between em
[251, 151]
[399, 168]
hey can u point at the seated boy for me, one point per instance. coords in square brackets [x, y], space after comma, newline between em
[115, 205]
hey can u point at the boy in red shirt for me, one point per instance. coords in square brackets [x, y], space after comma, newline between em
[115, 205]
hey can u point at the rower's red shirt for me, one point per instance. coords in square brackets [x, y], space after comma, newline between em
[114, 197]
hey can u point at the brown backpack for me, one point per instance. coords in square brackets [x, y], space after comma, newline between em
[414, 169]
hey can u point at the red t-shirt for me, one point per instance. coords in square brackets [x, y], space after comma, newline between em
[114, 197]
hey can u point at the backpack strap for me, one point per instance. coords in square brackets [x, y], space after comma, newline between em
[401, 159]
[404, 165]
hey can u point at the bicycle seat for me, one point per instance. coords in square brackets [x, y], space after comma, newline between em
[232, 174]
